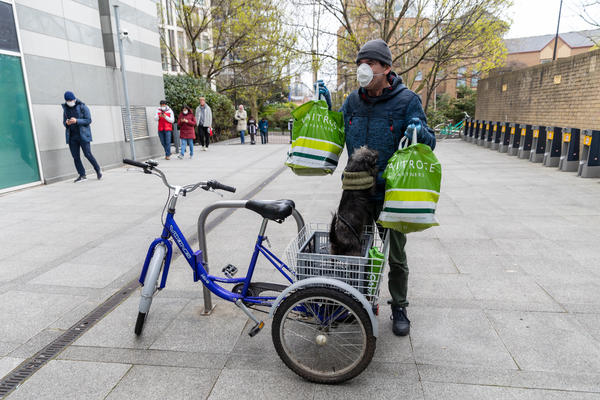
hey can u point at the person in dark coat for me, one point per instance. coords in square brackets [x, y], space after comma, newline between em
[77, 120]
[263, 126]
[377, 115]
[187, 134]
[252, 129]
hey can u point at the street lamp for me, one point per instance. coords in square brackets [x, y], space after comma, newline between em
[556, 37]
[124, 35]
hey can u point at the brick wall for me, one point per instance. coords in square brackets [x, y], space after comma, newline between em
[563, 93]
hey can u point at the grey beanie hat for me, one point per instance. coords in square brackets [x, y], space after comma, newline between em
[375, 50]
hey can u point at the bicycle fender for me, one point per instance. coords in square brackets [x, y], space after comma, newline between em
[321, 281]
[149, 256]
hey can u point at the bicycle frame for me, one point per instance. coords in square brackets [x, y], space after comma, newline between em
[197, 263]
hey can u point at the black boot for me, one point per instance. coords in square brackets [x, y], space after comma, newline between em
[400, 322]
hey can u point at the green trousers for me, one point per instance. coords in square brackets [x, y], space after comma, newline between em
[398, 275]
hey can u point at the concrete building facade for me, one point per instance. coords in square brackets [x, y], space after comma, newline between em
[59, 45]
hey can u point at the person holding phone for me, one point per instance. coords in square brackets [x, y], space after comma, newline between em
[165, 117]
[76, 120]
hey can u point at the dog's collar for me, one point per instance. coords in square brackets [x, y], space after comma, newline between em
[357, 180]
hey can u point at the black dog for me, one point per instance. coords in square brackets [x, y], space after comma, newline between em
[354, 210]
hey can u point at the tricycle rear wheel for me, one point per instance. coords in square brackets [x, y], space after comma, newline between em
[323, 334]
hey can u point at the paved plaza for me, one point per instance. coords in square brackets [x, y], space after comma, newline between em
[504, 294]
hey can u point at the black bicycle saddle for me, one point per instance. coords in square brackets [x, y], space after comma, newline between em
[276, 210]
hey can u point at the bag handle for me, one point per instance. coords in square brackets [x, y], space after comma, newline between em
[404, 141]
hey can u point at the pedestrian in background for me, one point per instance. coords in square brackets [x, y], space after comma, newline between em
[263, 125]
[241, 116]
[165, 117]
[186, 123]
[252, 129]
[204, 122]
[76, 120]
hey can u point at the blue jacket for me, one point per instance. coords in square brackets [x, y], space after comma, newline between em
[380, 122]
[84, 119]
[263, 125]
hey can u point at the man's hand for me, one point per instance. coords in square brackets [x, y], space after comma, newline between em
[324, 92]
[71, 121]
[414, 123]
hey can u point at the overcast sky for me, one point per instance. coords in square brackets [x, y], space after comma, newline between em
[539, 17]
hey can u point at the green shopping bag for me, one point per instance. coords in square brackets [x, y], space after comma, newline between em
[317, 139]
[413, 176]
[376, 262]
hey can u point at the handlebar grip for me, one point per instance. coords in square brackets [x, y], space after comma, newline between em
[135, 163]
[217, 185]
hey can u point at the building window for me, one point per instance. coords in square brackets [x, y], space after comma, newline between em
[475, 79]
[8, 32]
[460, 77]
[545, 60]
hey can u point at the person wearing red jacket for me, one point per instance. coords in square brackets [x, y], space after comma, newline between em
[186, 123]
[165, 117]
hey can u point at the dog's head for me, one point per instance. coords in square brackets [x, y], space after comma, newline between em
[363, 159]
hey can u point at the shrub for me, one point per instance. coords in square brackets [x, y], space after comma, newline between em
[184, 89]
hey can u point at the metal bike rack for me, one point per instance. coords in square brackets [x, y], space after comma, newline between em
[490, 134]
[496, 132]
[483, 133]
[589, 166]
[472, 127]
[553, 140]
[514, 139]
[504, 137]
[538, 144]
[569, 154]
[473, 138]
[208, 307]
[526, 141]
[466, 127]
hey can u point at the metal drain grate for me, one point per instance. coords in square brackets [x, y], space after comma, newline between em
[31, 365]
[35, 362]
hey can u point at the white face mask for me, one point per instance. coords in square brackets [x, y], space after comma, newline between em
[164, 108]
[71, 103]
[185, 111]
[364, 75]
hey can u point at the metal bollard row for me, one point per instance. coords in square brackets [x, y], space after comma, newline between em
[552, 146]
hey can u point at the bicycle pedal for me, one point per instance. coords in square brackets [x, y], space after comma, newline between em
[229, 270]
[256, 329]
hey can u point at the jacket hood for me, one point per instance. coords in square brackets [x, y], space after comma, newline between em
[395, 87]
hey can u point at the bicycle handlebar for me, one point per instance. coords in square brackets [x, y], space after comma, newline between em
[135, 163]
[216, 185]
[151, 166]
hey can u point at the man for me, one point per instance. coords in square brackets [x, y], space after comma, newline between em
[165, 117]
[241, 116]
[77, 120]
[376, 115]
[204, 123]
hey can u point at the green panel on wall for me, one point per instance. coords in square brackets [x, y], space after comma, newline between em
[18, 162]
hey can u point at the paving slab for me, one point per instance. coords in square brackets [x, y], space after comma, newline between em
[460, 337]
[490, 376]
[442, 391]
[269, 385]
[159, 382]
[71, 380]
[25, 314]
[547, 341]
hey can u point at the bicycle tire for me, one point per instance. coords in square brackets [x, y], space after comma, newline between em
[150, 287]
[326, 345]
[139, 323]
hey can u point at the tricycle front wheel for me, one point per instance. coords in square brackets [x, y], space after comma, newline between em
[324, 335]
